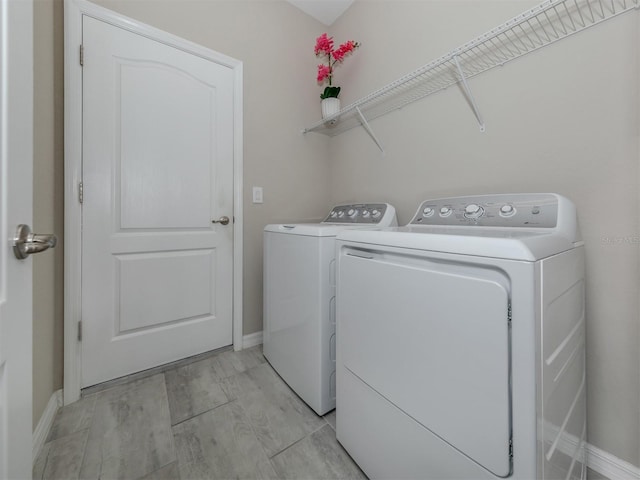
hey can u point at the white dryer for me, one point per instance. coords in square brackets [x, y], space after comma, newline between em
[461, 341]
[299, 298]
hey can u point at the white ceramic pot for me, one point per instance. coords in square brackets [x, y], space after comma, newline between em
[330, 106]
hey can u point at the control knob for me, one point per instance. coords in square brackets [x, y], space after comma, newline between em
[473, 210]
[333, 214]
[341, 214]
[352, 212]
[445, 211]
[427, 212]
[375, 212]
[366, 213]
[507, 210]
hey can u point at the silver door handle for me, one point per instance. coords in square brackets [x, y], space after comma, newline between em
[25, 243]
[224, 220]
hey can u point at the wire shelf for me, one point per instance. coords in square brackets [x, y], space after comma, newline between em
[543, 25]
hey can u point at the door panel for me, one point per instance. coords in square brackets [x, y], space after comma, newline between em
[16, 184]
[433, 339]
[157, 168]
[165, 168]
[164, 287]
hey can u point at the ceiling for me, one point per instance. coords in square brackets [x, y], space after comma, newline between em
[326, 11]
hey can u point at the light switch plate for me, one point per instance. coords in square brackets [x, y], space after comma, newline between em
[257, 195]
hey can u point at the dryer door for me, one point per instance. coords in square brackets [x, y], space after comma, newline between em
[432, 337]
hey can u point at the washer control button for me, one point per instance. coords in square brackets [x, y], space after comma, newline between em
[366, 213]
[473, 210]
[428, 212]
[352, 212]
[375, 212]
[507, 210]
[333, 214]
[445, 211]
[341, 214]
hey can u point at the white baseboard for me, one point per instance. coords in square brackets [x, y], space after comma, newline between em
[46, 421]
[611, 467]
[252, 340]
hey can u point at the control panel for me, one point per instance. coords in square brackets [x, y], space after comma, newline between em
[362, 213]
[536, 210]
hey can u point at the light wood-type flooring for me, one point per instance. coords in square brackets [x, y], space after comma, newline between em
[221, 416]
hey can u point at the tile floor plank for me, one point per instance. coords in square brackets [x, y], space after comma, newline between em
[61, 458]
[220, 443]
[168, 472]
[277, 415]
[130, 435]
[318, 456]
[231, 363]
[193, 389]
[331, 418]
[73, 418]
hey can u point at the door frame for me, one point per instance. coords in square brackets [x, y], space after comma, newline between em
[73, 13]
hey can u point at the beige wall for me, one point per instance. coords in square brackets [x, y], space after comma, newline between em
[48, 201]
[564, 119]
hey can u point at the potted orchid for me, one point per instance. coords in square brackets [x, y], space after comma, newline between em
[324, 48]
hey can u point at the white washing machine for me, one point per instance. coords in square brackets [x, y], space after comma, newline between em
[461, 342]
[299, 298]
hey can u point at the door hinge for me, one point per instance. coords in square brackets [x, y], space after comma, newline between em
[509, 315]
[511, 448]
[81, 55]
[80, 331]
[80, 192]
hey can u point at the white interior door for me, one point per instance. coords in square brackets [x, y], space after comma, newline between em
[157, 172]
[16, 178]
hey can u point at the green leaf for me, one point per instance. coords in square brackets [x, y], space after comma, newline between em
[330, 92]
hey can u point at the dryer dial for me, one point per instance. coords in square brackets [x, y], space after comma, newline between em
[507, 210]
[428, 212]
[473, 211]
[445, 211]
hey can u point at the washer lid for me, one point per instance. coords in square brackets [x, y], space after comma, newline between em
[478, 241]
[313, 229]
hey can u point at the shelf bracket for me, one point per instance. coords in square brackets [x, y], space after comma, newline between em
[366, 126]
[467, 90]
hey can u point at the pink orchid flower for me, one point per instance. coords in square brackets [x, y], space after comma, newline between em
[324, 47]
[324, 44]
[323, 72]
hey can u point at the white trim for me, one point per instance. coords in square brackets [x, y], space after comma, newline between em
[597, 460]
[252, 339]
[72, 210]
[41, 432]
[74, 10]
[238, 232]
[610, 466]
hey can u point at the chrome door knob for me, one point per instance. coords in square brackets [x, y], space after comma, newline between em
[26, 243]
[224, 220]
